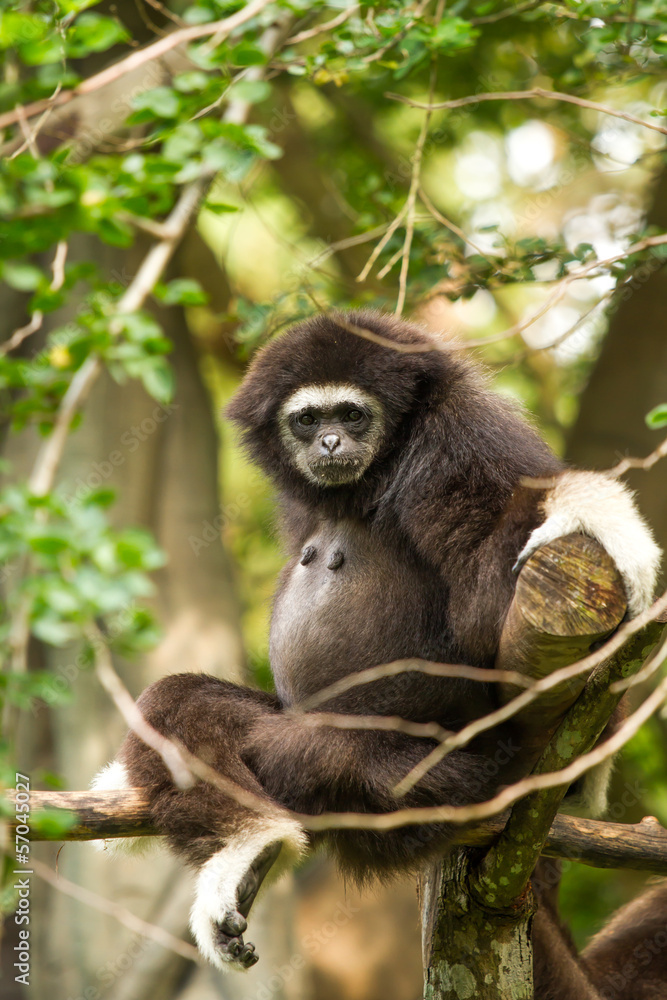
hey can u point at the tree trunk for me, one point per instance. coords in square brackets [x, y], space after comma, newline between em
[467, 954]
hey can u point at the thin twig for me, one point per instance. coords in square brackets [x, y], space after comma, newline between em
[37, 318]
[457, 670]
[390, 263]
[349, 241]
[640, 463]
[389, 723]
[411, 202]
[644, 464]
[391, 229]
[507, 797]
[608, 18]
[651, 667]
[318, 29]
[167, 13]
[127, 706]
[527, 697]
[120, 913]
[439, 217]
[220, 29]
[378, 54]
[499, 15]
[153, 227]
[30, 135]
[562, 337]
[523, 95]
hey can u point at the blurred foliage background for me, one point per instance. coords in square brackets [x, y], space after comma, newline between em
[282, 155]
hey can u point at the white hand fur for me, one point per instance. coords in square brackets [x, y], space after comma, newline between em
[594, 504]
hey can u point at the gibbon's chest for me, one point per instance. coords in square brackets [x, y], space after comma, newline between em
[349, 602]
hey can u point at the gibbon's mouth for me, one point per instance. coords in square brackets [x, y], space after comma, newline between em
[335, 471]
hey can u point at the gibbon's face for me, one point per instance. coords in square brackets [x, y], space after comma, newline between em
[332, 432]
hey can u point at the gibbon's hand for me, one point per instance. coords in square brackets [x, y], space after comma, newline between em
[594, 504]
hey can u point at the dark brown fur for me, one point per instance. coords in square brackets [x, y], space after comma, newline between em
[413, 560]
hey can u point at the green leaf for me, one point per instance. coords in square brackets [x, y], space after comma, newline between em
[53, 824]
[252, 91]
[53, 631]
[76, 6]
[247, 54]
[182, 291]
[94, 33]
[158, 380]
[115, 232]
[584, 251]
[137, 550]
[163, 102]
[190, 82]
[99, 498]
[22, 277]
[185, 140]
[16, 28]
[140, 327]
[256, 137]
[219, 208]
[232, 161]
[657, 417]
[48, 543]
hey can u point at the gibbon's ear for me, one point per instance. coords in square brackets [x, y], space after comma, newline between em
[253, 405]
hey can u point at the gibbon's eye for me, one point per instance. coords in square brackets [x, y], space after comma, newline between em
[306, 419]
[354, 416]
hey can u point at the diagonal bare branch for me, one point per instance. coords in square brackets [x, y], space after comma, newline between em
[524, 95]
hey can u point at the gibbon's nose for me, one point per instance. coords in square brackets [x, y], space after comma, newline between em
[330, 442]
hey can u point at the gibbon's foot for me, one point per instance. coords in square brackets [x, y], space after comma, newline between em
[229, 932]
[254, 877]
[232, 947]
[226, 890]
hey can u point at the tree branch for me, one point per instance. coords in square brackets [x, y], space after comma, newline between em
[219, 29]
[523, 95]
[111, 815]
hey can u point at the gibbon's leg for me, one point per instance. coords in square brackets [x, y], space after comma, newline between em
[627, 960]
[557, 971]
[231, 847]
[316, 769]
[594, 504]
